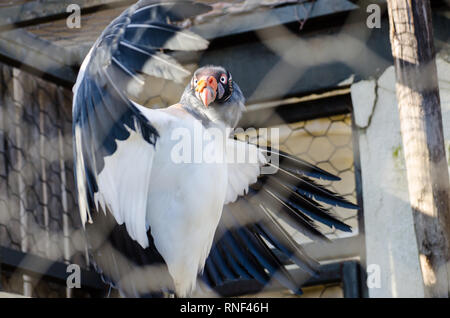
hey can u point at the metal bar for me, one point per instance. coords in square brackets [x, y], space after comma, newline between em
[358, 177]
[351, 279]
[360, 202]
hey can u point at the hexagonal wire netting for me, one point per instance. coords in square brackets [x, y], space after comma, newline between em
[327, 143]
[37, 193]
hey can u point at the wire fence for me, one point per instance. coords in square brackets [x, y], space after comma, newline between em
[327, 143]
[37, 194]
[38, 206]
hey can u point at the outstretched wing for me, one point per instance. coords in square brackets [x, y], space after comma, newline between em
[114, 142]
[250, 242]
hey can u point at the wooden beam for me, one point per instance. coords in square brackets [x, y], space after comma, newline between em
[23, 50]
[235, 25]
[229, 25]
[35, 12]
[39, 11]
[343, 248]
[423, 139]
[297, 111]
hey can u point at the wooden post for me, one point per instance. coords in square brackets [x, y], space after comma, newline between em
[423, 141]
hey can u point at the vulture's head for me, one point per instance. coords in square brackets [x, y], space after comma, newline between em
[213, 93]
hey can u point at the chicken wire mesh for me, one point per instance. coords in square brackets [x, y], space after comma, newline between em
[327, 143]
[38, 207]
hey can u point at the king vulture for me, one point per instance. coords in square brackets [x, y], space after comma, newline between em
[157, 223]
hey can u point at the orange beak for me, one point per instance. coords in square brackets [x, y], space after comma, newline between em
[207, 89]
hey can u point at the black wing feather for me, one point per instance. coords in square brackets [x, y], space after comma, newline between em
[104, 113]
[291, 195]
[298, 166]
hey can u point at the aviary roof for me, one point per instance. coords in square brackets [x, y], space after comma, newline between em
[94, 23]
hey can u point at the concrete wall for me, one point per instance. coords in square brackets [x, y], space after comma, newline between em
[392, 255]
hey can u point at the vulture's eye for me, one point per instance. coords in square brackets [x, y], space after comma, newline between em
[223, 79]
[195, 82]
